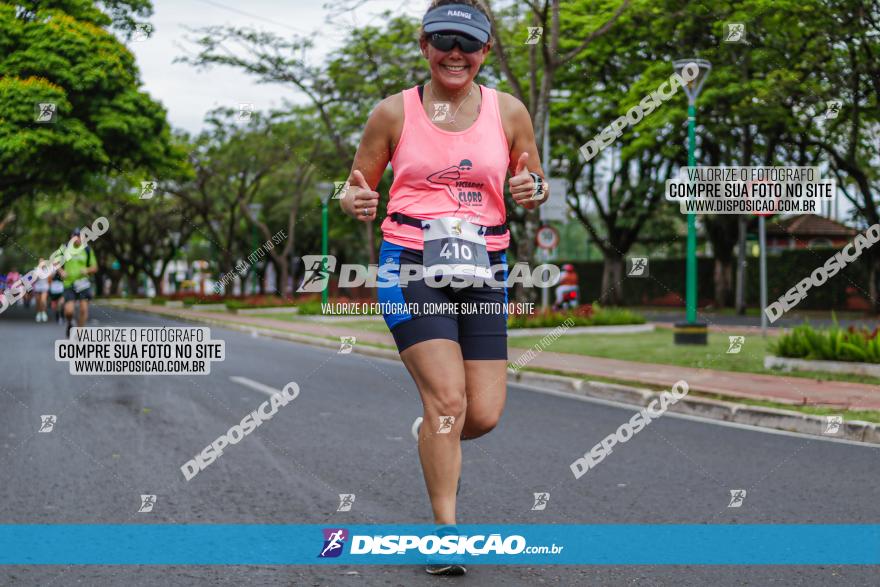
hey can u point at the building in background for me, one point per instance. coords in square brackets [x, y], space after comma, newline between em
[807, 231]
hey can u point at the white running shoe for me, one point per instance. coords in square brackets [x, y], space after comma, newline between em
[415, 428]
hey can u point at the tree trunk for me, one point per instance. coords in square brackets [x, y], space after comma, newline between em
[741, 268]
[99, 282]
[131, 278]
[157, 284]
[723, 281]
[295, 273]
[612, 280]
[282, 270]
[873, 289]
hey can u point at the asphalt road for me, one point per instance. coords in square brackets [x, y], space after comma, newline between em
[348, 432]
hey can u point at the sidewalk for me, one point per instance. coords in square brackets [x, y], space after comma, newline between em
[776, 388]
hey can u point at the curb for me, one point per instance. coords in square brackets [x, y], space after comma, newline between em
[854, 430]
[786, 364]
[775, 418]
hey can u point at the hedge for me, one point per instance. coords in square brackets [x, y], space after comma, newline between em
[784, 271]
[832, 344]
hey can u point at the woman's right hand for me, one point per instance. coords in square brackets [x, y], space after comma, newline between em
[363, 201]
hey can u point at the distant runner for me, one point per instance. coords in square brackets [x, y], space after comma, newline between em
[41, 290]
[56, 293]
[77, 282]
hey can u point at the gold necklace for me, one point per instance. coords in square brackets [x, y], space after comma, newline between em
[436, 112]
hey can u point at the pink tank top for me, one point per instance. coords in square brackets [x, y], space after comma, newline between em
[441, 173]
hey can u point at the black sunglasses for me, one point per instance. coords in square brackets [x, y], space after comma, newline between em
[446, 41]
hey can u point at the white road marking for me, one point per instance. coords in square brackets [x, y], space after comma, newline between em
[255, 385]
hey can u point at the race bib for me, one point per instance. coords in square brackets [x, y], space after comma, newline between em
[454, 247]
[81, 284]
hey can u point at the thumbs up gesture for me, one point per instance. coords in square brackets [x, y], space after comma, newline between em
[362, 200]
[522, 185]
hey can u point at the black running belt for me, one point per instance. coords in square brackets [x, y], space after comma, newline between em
[410, 221]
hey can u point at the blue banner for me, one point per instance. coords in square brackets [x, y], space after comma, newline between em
[259, 544]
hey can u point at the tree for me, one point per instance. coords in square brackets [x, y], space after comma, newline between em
[568, 32]
[62, 66]
[145, 235]
[269, 161]
[847, 56]
[377, 62]
[766, 101]
[615, 194]
[373, 64]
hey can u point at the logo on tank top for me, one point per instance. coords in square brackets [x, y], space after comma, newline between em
[454, 178]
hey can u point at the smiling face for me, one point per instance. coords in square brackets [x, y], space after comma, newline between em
[453, 69]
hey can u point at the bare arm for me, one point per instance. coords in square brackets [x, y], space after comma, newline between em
[524, 157]
[371, 159]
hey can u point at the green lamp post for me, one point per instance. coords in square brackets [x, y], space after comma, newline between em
[326, 189]
[691, 331]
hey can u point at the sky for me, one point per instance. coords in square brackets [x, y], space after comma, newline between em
[188, 94]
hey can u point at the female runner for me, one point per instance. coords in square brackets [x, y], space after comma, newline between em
[451, 144]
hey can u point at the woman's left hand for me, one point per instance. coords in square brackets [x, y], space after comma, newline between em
[522, 185]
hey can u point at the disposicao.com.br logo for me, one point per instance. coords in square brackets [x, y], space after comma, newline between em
[429, 544]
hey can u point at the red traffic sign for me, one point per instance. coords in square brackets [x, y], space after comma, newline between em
[750, 187]
[547, 237]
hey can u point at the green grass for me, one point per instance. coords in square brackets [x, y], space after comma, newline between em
[657, 347]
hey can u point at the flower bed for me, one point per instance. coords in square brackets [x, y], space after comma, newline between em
[261, 302]
[363, 307]
[586, 315]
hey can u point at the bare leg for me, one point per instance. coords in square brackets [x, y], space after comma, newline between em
[83, 313]
[438, 370]
[486, 389]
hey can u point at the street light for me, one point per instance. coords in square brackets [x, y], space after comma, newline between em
[691, 331]
[326, 190]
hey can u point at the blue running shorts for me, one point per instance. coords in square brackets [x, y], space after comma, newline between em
[475, 316]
